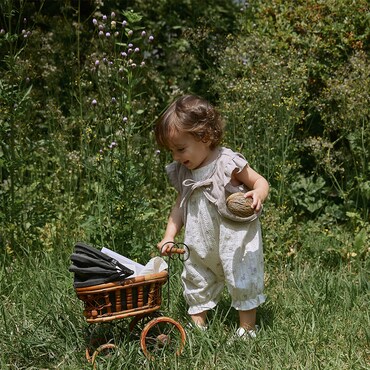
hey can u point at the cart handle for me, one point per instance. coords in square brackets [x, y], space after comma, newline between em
[179, 249]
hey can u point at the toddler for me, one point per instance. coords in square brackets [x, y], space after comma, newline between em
[224, 249]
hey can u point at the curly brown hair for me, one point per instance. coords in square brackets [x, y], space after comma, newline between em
[190, 114]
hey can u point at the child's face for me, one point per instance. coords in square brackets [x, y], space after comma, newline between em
[189, 151]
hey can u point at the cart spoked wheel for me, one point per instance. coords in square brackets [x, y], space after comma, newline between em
[101, 338]
[103, 350]
[139, 322]
[162, 335]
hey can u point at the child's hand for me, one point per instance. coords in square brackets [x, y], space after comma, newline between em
[165, 246]
[257, 199]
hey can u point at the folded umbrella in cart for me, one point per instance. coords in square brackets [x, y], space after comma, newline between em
[92, 267]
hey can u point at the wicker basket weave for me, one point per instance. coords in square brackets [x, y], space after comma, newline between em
[117, 300]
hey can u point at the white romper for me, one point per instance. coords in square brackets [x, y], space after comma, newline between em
[222, 251]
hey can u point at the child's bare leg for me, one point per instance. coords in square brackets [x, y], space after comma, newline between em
[247, 319]
[199, 319]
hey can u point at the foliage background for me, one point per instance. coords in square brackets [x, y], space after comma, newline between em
[80, 92]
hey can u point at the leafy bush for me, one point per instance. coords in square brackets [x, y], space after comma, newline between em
[294, 87]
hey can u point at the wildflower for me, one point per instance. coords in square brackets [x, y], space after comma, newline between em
[124, 24]
[107, 35]
[130, 32]
[113, 15]
[142, 64]
[97, 63]
[94, 102]
[124, 119]
[151, 38]
[2, 31]
[136, 50]
[123, 54]
[157, 152]
[101, 33]
[116, 34]
[113, 25]
[95, 22]
[143, 34]
[104, 17]
[114, 100]
[129, 50]
[130, 45]
[101, 27]
[133, 65]
[105, 60]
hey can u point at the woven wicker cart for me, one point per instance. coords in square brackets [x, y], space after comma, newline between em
[139, 298]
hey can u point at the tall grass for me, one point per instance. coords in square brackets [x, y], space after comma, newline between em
[315, 317]
[80, 87]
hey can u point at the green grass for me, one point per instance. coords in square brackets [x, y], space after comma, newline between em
[314, 318]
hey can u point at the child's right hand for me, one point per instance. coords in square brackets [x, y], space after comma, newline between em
[165, 245]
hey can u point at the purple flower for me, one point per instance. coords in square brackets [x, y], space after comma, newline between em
[124, 24]
[107, 34]
[123, 54]
[124, 119]
[143, 34]
[94, 102]
[2, 31]
[101, 27]
[104, 17]
[113, 15]
[95, 22]
[114, 101]
[151, 38]
[97, 63]
[130, 45]
[129, 51]
[136, 50]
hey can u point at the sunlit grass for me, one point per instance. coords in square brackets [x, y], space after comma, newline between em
[314, 318]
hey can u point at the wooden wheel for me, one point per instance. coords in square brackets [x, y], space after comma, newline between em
[139, 322]
[104, 349]
[162, 335]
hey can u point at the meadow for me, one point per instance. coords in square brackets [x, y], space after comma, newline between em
[81, 85]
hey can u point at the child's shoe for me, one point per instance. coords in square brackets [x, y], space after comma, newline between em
[243, 333]
[193, 325]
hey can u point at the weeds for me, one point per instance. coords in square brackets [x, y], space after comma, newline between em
[81, 84]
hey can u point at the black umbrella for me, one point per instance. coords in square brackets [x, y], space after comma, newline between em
[92, 267]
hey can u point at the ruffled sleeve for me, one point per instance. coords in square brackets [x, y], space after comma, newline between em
[234, 161]
[173, 175]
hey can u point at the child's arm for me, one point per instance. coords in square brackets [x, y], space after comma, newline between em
[256, 182]
[174, 225]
